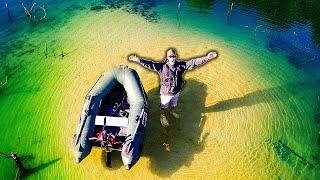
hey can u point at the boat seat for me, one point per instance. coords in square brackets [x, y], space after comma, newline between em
[111, 121]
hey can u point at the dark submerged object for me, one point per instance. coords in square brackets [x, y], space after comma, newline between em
[18, 162]
[114, 117]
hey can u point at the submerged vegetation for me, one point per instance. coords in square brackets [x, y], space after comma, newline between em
[283, 14]
[288, 155]
[143, 8]
[286, 13]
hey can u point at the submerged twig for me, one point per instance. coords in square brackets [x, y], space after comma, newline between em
[26, 11]
[62, 54]
[46, 50]
[18, 162]
[178, 10]
[229, 13]
[178, 14]
[44, 11]
[255, 31]
[32, 6]
[257, 27]
[29, 13]
[8, 10]
[5, 82]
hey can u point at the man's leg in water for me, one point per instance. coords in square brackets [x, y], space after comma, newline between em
[168, 103]
[163, 117]
[167, 106]
[164, 111]
[173, 105]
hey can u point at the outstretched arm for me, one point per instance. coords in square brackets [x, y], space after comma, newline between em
[201, 60]
[149, 64]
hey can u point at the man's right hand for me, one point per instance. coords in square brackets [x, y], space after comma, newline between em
[134, 58]
[212, 55]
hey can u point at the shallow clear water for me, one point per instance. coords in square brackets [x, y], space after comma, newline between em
[252, 113]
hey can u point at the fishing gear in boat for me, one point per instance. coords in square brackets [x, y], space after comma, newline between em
[114, 117]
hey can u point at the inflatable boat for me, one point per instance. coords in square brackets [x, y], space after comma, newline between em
[114, 117]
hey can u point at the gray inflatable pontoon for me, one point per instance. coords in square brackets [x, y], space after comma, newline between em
[114, 117]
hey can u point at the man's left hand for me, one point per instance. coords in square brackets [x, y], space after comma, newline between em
[212, 55]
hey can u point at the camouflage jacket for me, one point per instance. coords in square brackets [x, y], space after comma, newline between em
[171, 77]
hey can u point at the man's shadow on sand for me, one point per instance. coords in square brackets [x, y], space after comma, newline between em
[270, 95]
[186, 133]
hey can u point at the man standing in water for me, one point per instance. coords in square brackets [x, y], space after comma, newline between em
[171, 78]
